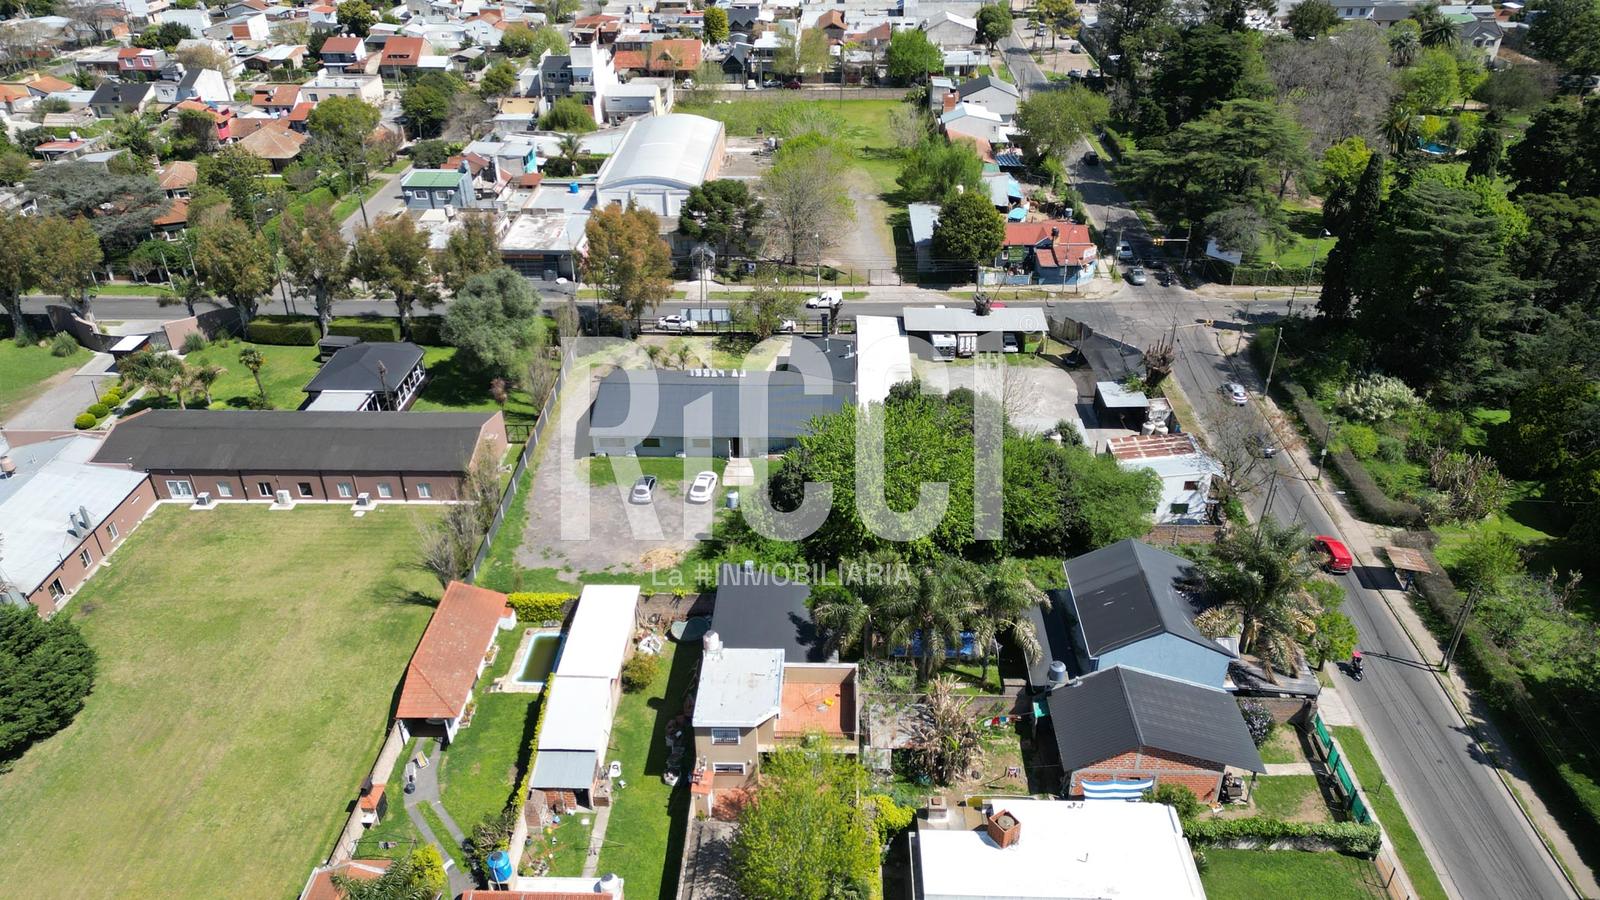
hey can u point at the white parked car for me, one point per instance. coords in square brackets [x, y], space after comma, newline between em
[675, 323]
[1235, 393]
[1009, 343]
[787, 326]
[1124, 251]
[704, 484]
[752, 86]
[643, 489]
[825, 300]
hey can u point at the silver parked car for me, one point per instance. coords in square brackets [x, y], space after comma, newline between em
[1235, 393]
[704, 485]
[1136, 275]
[643, 489]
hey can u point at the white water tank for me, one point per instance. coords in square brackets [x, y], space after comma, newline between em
[711, 642]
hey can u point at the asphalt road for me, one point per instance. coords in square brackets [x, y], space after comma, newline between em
[1479, 841]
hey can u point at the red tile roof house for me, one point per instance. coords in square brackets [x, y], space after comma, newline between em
[1057, 251]
[452, 654]
[400, 55]
[320, 885]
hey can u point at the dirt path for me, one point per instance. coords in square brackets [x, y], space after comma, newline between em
[868, 244]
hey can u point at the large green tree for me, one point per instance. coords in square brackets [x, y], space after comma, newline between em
[66, 254]
[725, 215]
[1054, 122]
[46, 671]
[235, 263]
[1567, 33]
[1262, 575]
[119, 208]
[1560, 256]
[994, 23]
[1559, 152]
[765, 308]
[472, 249]
[316, 258]
[392, 257]
[970, 230]
[1310, 19]
[1355, 230]
[494, 320]
[1434, 294]
[935, 169]
[716, 24]
[1207, 67]
[911, 57]
[241, 177]
[356, 17]
[18, 272]
[339, 128]
[627, 258]
[804, 835]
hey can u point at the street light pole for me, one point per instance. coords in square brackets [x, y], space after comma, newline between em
[1267, 390]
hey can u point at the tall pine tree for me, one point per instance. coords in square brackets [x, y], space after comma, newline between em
[1356, 232]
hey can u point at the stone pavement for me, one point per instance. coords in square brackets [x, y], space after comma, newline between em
[1330, 705]
[597, 840]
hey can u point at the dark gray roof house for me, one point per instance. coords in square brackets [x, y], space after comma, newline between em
[114, 97]
[1122, 720]
[376, 376]
[1129, 606]
[756, 611]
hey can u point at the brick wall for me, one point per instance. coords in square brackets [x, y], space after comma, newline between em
[1202, 777]
[99, 544]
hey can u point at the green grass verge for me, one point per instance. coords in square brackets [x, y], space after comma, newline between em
[1282, 747]
[644, 838]
[668, 470]
[24, 371]
[454, 386]
[248, 661]
[284, 376]
[446, 842]
[396, 827]
[1387, 808]
[481, 767]
[1275, 874]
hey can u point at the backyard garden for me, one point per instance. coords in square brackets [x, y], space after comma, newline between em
[215, 748]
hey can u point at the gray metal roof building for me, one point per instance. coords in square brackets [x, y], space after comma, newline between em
[1130, 591]
[757, 611]
[357, 368]
[784, 396]
[274, 440]
[1120, 709]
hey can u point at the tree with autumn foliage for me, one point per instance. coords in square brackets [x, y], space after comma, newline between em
[627, 260]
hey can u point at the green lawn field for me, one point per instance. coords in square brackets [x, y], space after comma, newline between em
[248, 664]
[24, 370]
[1274, 874]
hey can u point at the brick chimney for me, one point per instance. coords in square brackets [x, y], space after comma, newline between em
[1004, 828]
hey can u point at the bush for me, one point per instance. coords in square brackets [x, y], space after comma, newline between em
[194, 342]
[1391, 449]
[283, 334]
[1377, 398]
[257, 401]
[1257, 719]
[1181, 799]
[1380, 507]
[640, 671]
[63, 345]
[1345, 837]
[428, 331]
[1361, 440]
[111, 398]
[539, 608]
[84, 420]
[889, 817]
[99, 410]
[381, 331]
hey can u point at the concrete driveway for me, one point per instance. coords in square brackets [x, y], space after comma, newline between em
[68, 395]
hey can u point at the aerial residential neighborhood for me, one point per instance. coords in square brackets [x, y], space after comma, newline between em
[701, 449]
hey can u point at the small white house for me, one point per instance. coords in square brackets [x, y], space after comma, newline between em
[1186, 473]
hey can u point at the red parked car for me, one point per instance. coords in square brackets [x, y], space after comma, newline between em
[1339, 559]
[793, 85]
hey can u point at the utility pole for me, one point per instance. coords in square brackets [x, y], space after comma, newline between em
[1460, 627]
[1279, 343]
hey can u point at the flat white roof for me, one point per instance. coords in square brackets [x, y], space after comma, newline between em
[53, 479]
[738, 688]
[1185, 466]
[1097, 848]
[577, 715]
[340, 400]
[883, 358]
[600, 632]
[966, 319]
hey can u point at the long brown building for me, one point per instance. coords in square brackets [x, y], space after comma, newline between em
[248, 455]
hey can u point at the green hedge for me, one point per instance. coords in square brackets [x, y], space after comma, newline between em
[536, 607]
[428, 331]
[1346, 837]
[520, 795]
[372, 331]
[1257, 276]
[283, 334]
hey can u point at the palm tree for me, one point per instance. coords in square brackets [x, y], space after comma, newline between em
[1002, 597]
[1404, 45]
[1435, 30]
[568, 149]
[204, 376]
[933, 608]
[1263, 577]
[849, 612]
[1400, 128]
[253, 360]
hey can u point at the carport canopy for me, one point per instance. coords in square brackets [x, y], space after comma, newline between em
[1405, 559]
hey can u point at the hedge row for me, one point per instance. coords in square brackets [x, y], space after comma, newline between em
[1345, 837]
[428, 331]
[520, 795]
[536, 607]
[283, 334]
[372, 331]
[1255, 276]
[1379, 506]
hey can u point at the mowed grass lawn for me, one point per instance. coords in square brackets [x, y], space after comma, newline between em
[1278, 874]
[24, 371]
[249, 661]
[865, 127]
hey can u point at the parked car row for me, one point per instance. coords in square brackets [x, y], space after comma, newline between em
[700, 490]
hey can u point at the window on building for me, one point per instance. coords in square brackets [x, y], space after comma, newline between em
[384, 490]
[111, 529]
[346, 489]
[724, 735]
[180, 489]
[224, 489]
[650, 442]
[56, 590]
[727, 768]
[264, 488]
[305, 488]
[424, 490]
[1179, 509]
[1191, 485]
[85, 558]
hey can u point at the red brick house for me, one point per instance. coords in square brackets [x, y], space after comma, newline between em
[451, 655]
[1127, 725]
[400, 55]
[248, 455]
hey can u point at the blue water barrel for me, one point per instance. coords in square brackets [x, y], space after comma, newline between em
[500, 867]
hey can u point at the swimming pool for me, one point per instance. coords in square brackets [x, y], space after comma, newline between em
[537, 658]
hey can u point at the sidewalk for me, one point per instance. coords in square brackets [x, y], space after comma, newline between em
[427, 791]
[1364, 540]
